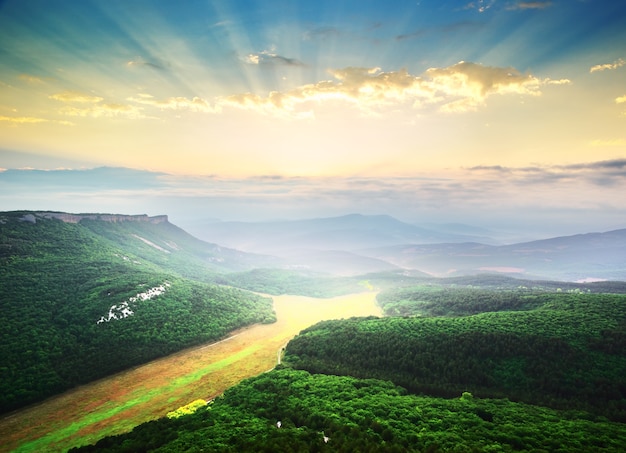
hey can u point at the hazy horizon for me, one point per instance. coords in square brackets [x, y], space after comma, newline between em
[506, 115]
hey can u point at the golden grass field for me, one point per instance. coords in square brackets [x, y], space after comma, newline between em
[118, 403]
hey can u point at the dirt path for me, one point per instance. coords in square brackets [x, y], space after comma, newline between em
[115, 404]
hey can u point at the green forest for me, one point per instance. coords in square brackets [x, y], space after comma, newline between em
[294, 411]
[467, 368]
[478, 363]
[57, 280]
[561, 350]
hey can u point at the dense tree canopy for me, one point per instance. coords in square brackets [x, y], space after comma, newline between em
[294, 411]
[57, 280]
[564, 353]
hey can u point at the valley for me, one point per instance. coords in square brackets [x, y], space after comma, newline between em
[113, 322]
[116, 404]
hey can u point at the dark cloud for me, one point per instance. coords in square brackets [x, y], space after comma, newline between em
[603, 173]
[412, 35]
[139, 62]
[270, 58]
[604, 164]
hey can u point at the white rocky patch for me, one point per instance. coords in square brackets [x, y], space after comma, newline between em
[151, 244]
[125, 258]
[124, 309]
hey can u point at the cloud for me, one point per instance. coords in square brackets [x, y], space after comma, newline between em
[458, 88]
[530, 5]
[412, 35]
[612, 142]
[268, 57]
[480, 5]
[195, 104]
[570, 195]
[108, 110]
[608, 66]
[22, 119]
[15, 120]
[139, 62]
[603, 164]
[474, 82]
[99, 109]
[620, 100]
[33, 80]
[75, 96]
[602, 173]
[557, 82]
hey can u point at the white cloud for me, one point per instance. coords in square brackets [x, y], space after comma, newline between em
[608, 66]
[105, 111]
[195, 104]
[33, 80]
[557, 82]
[270, 57]
[611, 142]
[75, 96]
[15, 120]
[99, 109]
[480, 5]
[458, 88]
[476, 81]
[22, 119]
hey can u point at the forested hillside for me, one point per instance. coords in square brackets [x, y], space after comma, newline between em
[562, 350]
[294, 411]
[506, 365]
[82, 300]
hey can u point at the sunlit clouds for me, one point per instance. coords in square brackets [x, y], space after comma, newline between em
[480, 108]
[22, 119]
[464, 86]
[73, 96]
[495, 191]
[608, 66]
[457, 88]
[195, 104]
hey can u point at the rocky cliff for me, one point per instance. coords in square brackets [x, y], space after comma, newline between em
[75, 218]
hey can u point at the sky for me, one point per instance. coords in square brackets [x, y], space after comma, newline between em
[498, 113]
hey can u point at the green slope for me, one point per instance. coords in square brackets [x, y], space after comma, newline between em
[568, 352]
[530, 371]
[334, 413]
[58, 279]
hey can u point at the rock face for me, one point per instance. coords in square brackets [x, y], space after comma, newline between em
[75, 218]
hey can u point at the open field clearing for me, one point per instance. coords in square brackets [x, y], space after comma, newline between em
[122, 401]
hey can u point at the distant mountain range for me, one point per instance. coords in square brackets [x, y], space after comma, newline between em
[583, 257]
[355, 244]
[358, 244]
[348, 233]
